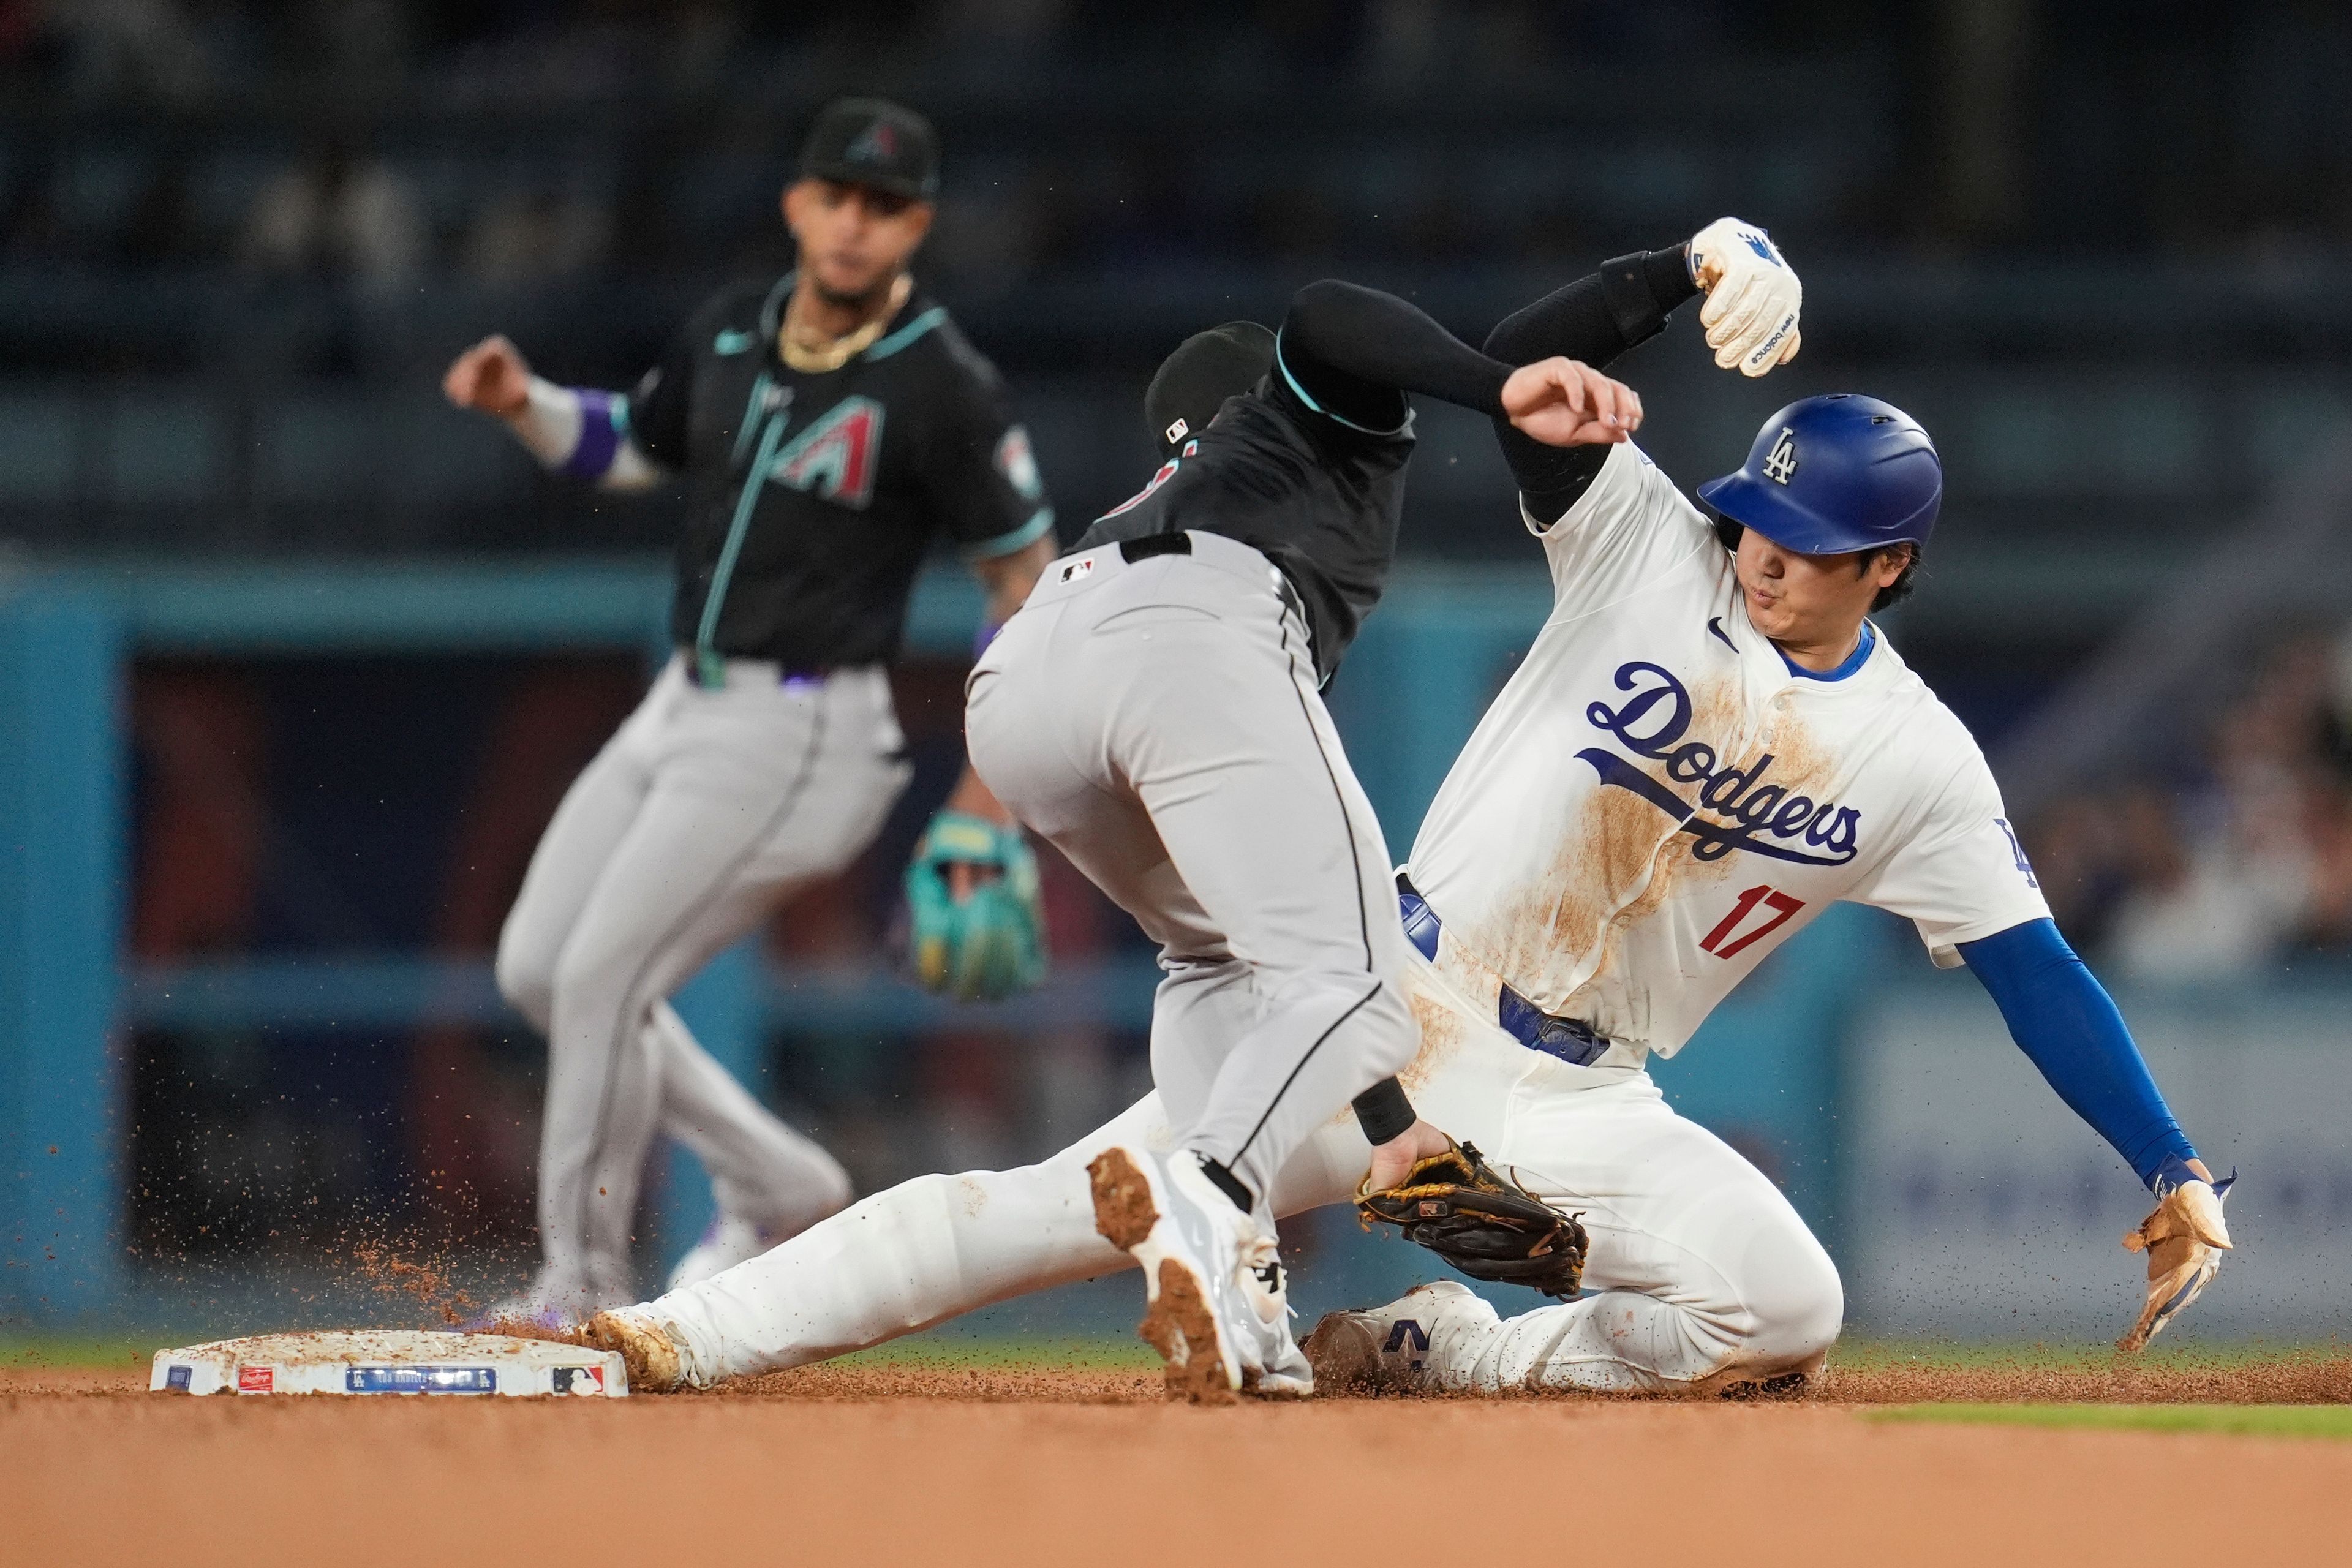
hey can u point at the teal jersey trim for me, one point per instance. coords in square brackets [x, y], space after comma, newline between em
[1334, 418]
[907, 333]
[618, 409]
[1019, 538]
[750, 421]
[708, 664]
[733, 341]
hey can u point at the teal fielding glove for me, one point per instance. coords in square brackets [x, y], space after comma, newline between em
[994, 943]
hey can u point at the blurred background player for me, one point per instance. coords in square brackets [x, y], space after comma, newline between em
[831, 424]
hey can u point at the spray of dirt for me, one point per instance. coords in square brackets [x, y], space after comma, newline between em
[857, 1381]
[523, 1329]
[427, 1283]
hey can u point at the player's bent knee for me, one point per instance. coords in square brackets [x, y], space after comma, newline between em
[1797, 1310]
[527, 980]
[593, 970]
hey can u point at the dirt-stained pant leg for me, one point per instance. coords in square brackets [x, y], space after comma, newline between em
[1700, 1270]
[705, 810]
[1157, 722]
[936, 1246]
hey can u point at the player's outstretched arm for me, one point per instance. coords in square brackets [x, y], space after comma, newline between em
[2063, 1019]
[575, 430]
[1750, 319]
[1352, 353]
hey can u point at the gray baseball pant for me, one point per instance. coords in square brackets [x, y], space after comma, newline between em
[705, 810]
[1159, 722]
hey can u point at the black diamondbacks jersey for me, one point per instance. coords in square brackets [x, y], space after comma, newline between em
[813, 498]
[1320, 497]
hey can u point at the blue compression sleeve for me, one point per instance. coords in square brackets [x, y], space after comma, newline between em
[2063, 1019]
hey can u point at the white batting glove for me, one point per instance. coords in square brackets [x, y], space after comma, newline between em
[1752, 296]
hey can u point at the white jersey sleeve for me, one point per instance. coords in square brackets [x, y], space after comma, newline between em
[1962, 874]
[1629, 528]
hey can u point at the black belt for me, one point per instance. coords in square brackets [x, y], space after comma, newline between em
[1570, 1039]
[1144, 546]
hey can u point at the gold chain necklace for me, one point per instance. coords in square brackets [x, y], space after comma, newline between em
[813, 355]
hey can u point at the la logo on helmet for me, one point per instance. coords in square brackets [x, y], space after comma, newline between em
[1781, 462]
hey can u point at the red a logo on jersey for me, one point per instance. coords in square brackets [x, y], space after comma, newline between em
[1167, 469]
[834, 457]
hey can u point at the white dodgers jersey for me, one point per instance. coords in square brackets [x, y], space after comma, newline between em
[1656, 800]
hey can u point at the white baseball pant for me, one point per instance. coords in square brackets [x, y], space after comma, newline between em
[705, 810]
[1157, 722]
[1700, 1271]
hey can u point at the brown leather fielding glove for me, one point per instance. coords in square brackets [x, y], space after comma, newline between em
[2184, 1240]
[1485, 1225]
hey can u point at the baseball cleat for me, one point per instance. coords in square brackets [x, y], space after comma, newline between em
[1281, 1368]
[1216, 1311]
[1386, 1350]
[727, 1241]
[654, 1366]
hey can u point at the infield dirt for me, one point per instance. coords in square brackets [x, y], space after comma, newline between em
[924, 1463]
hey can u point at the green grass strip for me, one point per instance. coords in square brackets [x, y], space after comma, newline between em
[2242, 1420]
[1881, 1355]
[92, 1352]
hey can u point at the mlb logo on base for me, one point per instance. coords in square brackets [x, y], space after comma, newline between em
[580, 1380]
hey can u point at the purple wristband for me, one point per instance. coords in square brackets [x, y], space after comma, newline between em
[600, 434]
[988, 630]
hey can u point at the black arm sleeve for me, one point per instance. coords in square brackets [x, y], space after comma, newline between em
[1352, 352]
[1593, 320]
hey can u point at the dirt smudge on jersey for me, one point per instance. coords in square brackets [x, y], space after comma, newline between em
[1622, 859]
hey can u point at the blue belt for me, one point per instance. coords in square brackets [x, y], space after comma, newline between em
[1570, 1039]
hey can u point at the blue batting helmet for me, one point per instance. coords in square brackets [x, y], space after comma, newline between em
[1831, 474]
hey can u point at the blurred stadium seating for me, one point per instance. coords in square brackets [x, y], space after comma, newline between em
[294, 659]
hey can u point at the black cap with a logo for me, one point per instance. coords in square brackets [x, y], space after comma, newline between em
[873, 142]
[1194, 382]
